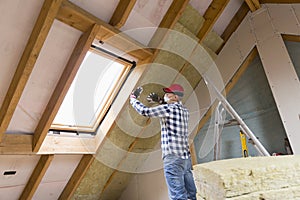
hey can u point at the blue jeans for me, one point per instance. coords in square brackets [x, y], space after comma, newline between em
[179, 178]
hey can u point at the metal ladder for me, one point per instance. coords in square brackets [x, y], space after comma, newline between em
[242, 125]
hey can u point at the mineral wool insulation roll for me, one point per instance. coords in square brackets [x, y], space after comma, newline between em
[262, 178]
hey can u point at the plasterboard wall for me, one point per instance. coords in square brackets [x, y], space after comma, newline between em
[14, 35]
[11, 186]
[49, 66]
[252, 98]
[294, 52]
[52, 184]
[259, 29]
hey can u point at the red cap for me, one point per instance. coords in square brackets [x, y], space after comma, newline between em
[175, 88]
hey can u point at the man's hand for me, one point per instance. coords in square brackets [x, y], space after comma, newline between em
[154, 98]
[136, 93]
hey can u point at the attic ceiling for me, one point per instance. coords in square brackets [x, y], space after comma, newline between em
[43, 45]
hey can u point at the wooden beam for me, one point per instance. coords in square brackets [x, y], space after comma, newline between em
[66, 144]
[193, 154]
[63, 85]
[234, 23]
[250, 5]
[22, 144]
[121, 13]
[280, 1]
[256, 4]
[171, 17]
[76, 177]
[36, 177]
[16, 144]
[229, 85]
[293, 38]
[211, 15]
[80, 19]
[27, 61]
[173, 14]
[253, 5]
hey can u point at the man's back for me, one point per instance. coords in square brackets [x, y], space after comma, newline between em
[174, 131]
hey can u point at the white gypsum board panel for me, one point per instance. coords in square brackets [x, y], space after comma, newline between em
[49, 66]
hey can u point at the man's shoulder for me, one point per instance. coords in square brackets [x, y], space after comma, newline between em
[178, 105]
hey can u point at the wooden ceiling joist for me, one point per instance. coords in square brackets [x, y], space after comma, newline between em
[82, 20]
[171, 17]
[256, 4]
[27, 62]
[293, 38]
[77, 176]
[211, 15]
[63, 85]
[16, 144]
[280, 1]
[253, 5]
[121, 13]
[36, 177]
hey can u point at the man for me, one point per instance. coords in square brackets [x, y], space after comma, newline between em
[174, 139]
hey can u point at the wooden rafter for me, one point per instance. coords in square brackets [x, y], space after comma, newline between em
[121, 13]
[62, 87]
[280, 1]
[36, 177]
[27, 61]
[171, 17]
[22, 144]
[16, 144]
[77, 176]
[211, 15]
[253, 5]
[82, 20]
[293, 38]
[173, 14]
[256, 4]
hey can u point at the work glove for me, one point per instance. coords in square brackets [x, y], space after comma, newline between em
[136, 93]
[154, 98]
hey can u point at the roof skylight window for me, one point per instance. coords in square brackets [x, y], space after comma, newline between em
[96, 84]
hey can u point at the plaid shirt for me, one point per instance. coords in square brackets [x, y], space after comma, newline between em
[174, 126]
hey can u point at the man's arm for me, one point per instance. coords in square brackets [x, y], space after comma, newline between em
[157, 111]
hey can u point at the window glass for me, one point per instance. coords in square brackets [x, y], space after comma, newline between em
[93, 89]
